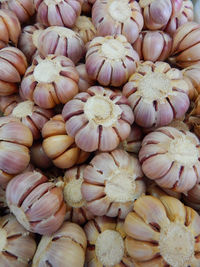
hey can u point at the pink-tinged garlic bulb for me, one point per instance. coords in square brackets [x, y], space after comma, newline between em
[171, 158]
[13, 65]
[162, 232]
[77, 211]
[110, 60]
[133, 142]
[157, 13]
[37, 204]
[85, 28]
[23, 9]
[192, 77]
[16, 138]
[196, 4]
[33, 116]
[186, 46]
[8, 103]
[65, 248]
[17, 246]
[10, 28]
[98, 119]
[28, 40]
[153, 45]
[84, 81]
[184, 15]
[59, 146]
[117, 17]
[50, 81]
[61, 41]
[39, 157]
[58, 12]
[112, 182]
[105, 238]
[157, 94]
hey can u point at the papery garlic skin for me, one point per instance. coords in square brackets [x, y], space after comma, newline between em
[105, 237]
[50, 81]
[24, 9]
[77, 211]
[28, 40]
[112, 182]
[157, 94]
[85, 28]
[153, 45]
[162, 232]
[58, 12]
[28, 196]
[186, 47]
[117, 17]
[64, 248]
[59, 146]
[110, 60]
[10, 28]
[84, 81]
[17, 246]
[171, 158]
[16, 138]
[98, 119]
[61, 41]
[13, 66]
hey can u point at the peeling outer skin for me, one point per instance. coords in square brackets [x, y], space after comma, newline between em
[61, 41]
[112, 182]
[166, 159]
[117, 17]
[65, 248]
[60, 13]
[157, 94]
[10, 28]
[98, 119]
[13, 66]
[58, 85]
[24, 9]
[28, 40]
[153, 45]
[185, 49]
[183, 16]
[110, 60]
[28, 195]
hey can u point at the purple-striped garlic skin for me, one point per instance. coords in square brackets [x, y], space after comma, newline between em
[184, 15]
[85, 28]
[33, 116]
[28, 40]
[10, 28]
[118, 17]
[50, 81]
[64, 248]
[157, 13]
[13, 65]
[110, 60]
[112, 182]
[58, 12]
[157, 94]
[153, 45]
[84, 81]
[98, 119]
[77, 211]
[61, 41]
[17, 244]
[16, 138]
[133, 142]
[23, 9]
[37, 204]
[171, 158]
